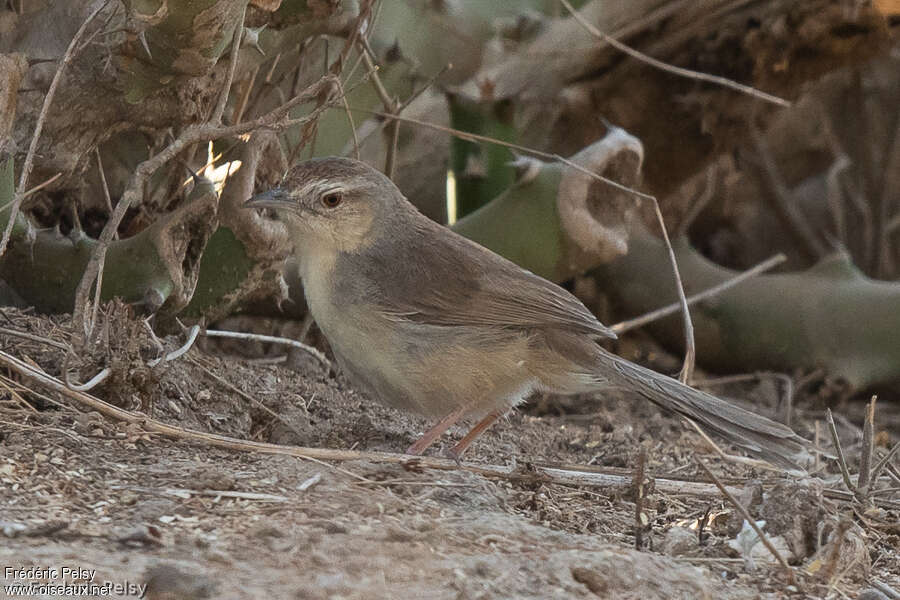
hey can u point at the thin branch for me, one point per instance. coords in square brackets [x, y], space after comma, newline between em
[216, 118]
[665, 311]
[41, 185]
[245, 96]
[350, 120]
[8, 384]
[181, 492]
[474, 137]
[391, 105]
[723, 81]
[750, 520]
[99, 287]
[690, 354]
[425, 86]
[39, 126]
[393, 143]
[98, 290]
[382, 92]
[34, 338]
[272, 339]
[248, 398]
[276, 120]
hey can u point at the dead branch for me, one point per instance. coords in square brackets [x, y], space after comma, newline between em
[39, 126]
[276, 120]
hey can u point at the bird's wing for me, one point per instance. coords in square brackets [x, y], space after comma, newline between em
[456, 282]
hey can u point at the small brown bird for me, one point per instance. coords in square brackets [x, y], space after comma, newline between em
[426, 320]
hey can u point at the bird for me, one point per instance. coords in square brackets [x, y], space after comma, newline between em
[428, 321]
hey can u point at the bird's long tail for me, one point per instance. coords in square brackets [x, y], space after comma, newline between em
[758, 435]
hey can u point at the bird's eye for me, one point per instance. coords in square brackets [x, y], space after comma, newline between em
[332, 199]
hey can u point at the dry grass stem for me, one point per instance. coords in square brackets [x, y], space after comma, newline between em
[34, 338]
[750, 520]
[667, 310]
[246, 397]
[842, 462]
[690, 354]
[474, 137]
[272, 339]
[868, 447]
[40, 186]
[744, 89]
[885, 462]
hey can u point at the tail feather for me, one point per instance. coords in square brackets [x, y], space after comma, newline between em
[759, 436]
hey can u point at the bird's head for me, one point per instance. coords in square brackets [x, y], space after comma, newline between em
[335, 201]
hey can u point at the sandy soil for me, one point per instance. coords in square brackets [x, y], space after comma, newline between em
[77, 489]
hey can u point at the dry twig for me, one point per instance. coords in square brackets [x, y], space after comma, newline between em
[868, 447]
[275, 120]
[665, 311]
[39, 125]
[579, 475]
[744, 89]
[271, 339]
[216, 118]
[34, 338]
[750, 520]
[842, 462]
[40, 186]
[639, 491]
[474, 137]
[391, 106]
[248, 398]
[687, 371]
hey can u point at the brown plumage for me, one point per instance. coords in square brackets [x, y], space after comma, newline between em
[426, 320]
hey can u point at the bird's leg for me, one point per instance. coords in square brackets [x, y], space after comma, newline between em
[456, 451]
[429, 437]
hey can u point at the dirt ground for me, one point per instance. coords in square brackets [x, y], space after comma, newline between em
[193, 521]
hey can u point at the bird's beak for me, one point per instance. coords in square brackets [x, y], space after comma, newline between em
[274, 198]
